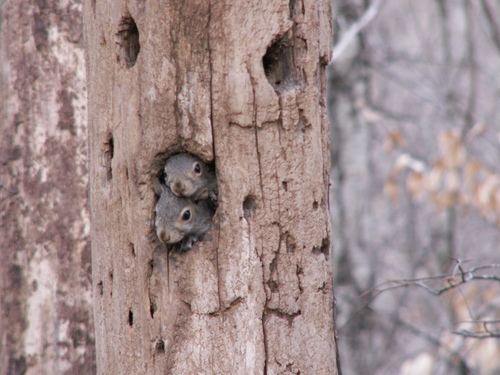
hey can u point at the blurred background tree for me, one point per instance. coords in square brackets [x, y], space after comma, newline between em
[414, 110]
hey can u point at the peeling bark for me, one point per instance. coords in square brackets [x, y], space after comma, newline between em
[241, 84]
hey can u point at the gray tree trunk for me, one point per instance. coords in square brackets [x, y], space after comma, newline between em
[46, 321]
[241, 84]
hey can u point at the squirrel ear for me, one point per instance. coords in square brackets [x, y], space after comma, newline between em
[158, 187]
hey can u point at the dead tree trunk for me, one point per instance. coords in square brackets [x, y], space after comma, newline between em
[241, 84]
[46, 321]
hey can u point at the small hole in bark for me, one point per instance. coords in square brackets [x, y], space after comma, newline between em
[160, 345]
[291, 6]
[132, 249]
[274, 264]
[315, 205]
[285, 185]
[323, 249]
[130, 318]
[299, 270]
[249, 205]
[111, 147]
[19, 364]
[273, 286]
[151, 265]
[278, 65]
[15, 276]
[152, 309]
[109, 152]
[295, 7]
[100, 288]
[111, 275]
[127, 41]
[302, 125]
[290, 243]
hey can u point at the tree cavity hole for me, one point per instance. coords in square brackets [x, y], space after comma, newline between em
[249, 206]
[127, 41]
[278, 65]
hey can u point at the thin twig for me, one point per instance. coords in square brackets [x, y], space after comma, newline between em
[355, 29]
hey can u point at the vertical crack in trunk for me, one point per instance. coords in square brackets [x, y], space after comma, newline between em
[258, 154]
[264, 333]
[211, 83]
[210, 61]
[254, 105]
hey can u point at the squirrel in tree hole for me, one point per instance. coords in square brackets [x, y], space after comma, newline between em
[188, 176]
[180, 219]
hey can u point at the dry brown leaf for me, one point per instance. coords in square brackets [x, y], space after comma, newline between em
[452, 181]
[475, 131]
[471, 170]
[487, 191]
[433, 179]
[415, 184]
[395, 139]
[452, 149]
[391, 189]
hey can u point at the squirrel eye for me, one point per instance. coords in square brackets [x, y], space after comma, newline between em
[197, 168]
[186, 215]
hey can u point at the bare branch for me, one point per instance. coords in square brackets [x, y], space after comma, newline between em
[465, 276]
[442, 344]
[494, 29]
[486, 333]
[476, 335]
[355, 29]
[454, 279]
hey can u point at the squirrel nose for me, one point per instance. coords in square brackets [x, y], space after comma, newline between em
[179, 187]
[163, 236]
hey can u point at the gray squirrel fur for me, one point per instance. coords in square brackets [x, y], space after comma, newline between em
[172, 222]
[188, 176]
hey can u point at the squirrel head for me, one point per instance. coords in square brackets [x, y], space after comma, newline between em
[177, 217]
[187, 176]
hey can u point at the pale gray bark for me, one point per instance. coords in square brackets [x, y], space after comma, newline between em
[238, 83]
[46, 322]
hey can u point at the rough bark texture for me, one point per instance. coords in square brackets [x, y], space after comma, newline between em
[238, 83]
[46, 322]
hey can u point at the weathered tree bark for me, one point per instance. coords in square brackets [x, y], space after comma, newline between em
[240, 83]
[46, 321]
